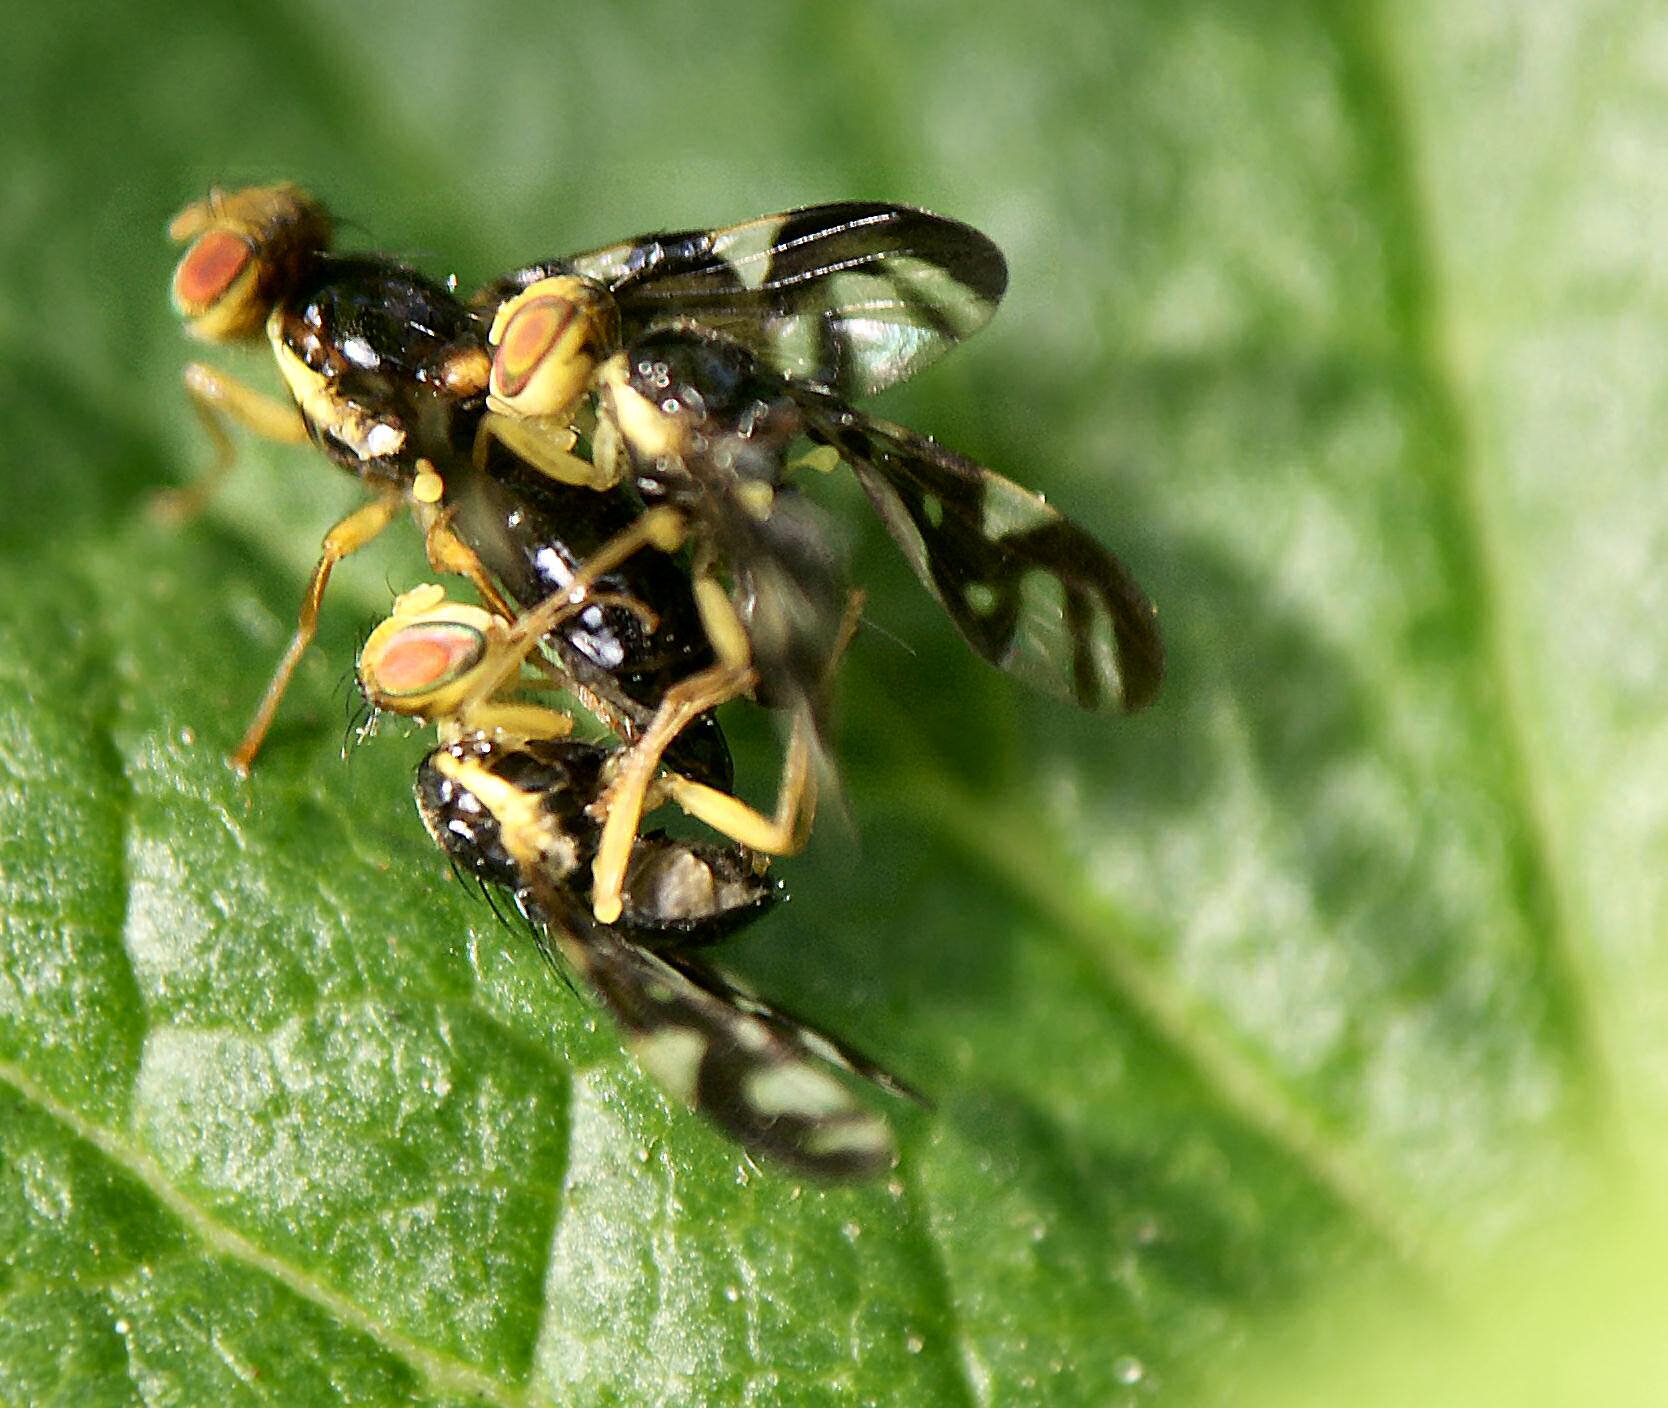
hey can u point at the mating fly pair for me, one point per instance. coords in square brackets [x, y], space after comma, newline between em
[605, 409]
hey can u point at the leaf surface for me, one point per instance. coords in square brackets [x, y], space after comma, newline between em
[1345, 960]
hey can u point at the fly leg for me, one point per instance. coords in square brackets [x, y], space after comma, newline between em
[780, 834]
[346, 538]
[629, 794]
[447, 552]
[545, 444]
[218, 400]
[661, 528]
[634, 788]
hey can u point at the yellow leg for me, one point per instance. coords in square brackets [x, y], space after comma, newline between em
[623, 804]
[662, 528]
[547, 447]
[346, 538]
[520, 721]
[629, 793]
[450, 554]
[220, 399]
[684, 702]
[778, 835]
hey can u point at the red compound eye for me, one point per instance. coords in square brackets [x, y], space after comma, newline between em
[532, 332]
[424, 657]
[209, 268]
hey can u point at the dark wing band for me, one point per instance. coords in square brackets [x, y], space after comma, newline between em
[1032, 592]
[854, 296]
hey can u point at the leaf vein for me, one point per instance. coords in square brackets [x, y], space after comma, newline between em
[442, 1372]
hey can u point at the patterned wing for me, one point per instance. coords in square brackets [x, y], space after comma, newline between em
[1031, 591]
[518, 816]
[820, 1044]
[855, 296]
[759, 1075]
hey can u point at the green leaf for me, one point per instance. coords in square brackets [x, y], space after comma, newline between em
[1342, 965]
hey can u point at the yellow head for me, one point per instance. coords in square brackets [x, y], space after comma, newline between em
[246, 247]
[546, 344]
[423, 661]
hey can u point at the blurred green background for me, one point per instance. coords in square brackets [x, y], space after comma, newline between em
[1325, 980]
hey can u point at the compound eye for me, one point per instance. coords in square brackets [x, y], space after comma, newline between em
[212, 265]
[528, 340]
[545, 345]
[417, 660]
